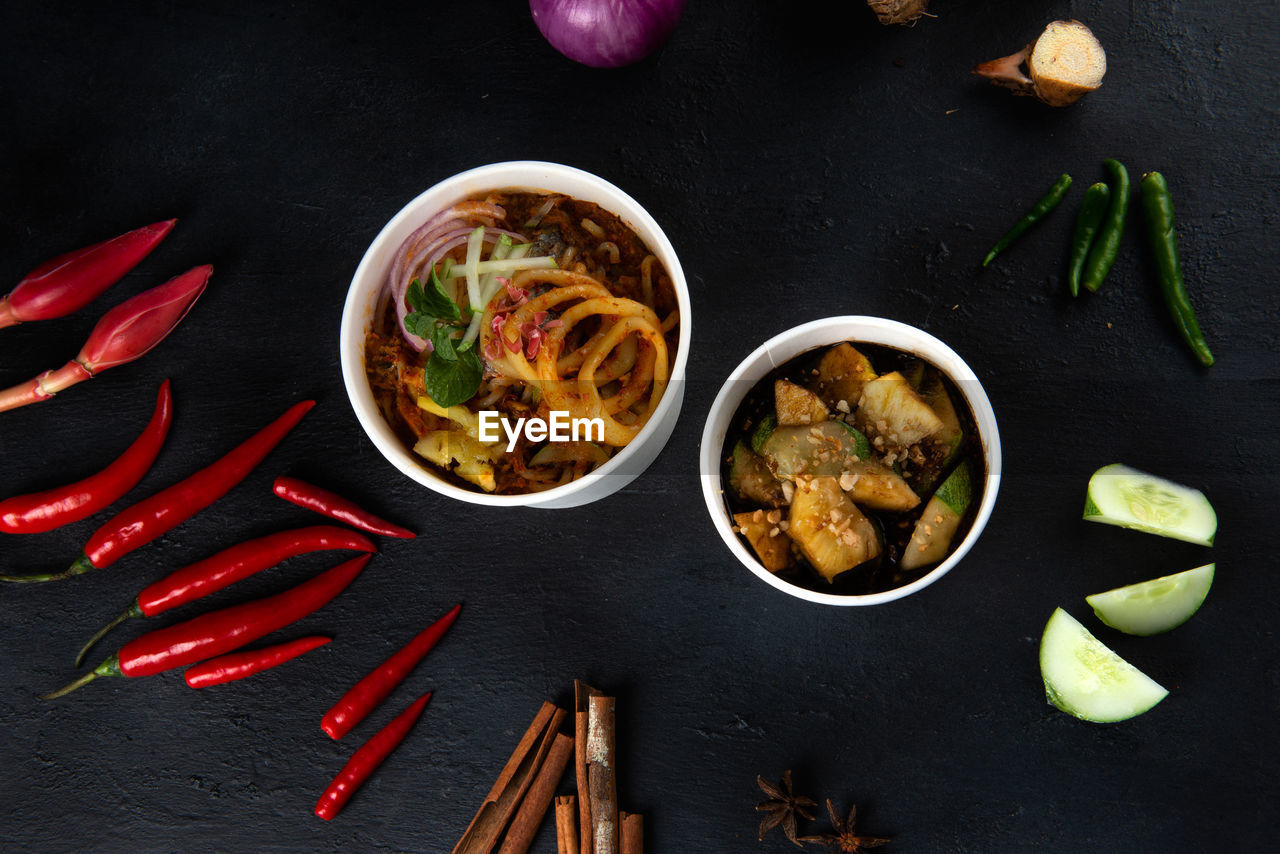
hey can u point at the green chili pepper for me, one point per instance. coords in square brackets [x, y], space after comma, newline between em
[1092, 210]
[1157, 204]
[1038, 212]
[1106, 246]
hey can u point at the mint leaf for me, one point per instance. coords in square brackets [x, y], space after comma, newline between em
[442, 341]
[419, 324]
[432, 299]
[429, 304]
[453, 372]
[450, 382]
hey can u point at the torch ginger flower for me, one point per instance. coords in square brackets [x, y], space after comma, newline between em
[123, 334]
[70, 282]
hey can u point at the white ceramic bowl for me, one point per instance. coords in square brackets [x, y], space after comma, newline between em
[362, 298]
[821, 333]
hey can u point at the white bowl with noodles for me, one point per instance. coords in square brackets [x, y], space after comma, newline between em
[823, 333]
[364, 299]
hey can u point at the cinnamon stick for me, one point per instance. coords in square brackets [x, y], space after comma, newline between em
[516, 777]
[601, 781]
[567, 825]
[632, 832]
[582, 693]
[533, 807]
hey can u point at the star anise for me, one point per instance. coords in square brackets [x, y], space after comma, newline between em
[844, 839]
[782, 807]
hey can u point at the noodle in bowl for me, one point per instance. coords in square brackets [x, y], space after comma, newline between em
[585, 315]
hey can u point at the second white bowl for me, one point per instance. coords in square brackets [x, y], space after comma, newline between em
[821, 333]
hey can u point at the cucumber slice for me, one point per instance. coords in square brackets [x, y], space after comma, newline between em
[751, 478]
[834, 449]
[1155, 606]
[861, 445]
[1119, 495]
[763, 431]
[829, 448]
[937, 525]
[1082, 677]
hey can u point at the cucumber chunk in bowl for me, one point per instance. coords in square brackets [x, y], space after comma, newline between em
[1155, 606]
[1119, 495]
[1082, 677]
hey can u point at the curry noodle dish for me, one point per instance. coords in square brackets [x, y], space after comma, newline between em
[516, 308]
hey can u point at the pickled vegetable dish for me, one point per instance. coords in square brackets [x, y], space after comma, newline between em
[524, 304]
[853, 469]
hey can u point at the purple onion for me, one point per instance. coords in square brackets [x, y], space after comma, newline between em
[606, 33]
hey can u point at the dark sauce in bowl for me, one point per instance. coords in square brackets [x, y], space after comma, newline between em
[923, 471]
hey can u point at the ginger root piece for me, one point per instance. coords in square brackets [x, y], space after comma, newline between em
[1062, 65]
[898, 11]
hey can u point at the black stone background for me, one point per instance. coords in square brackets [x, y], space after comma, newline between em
[805, 162]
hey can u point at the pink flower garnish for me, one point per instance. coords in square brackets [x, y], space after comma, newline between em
[517, 296]
[534, 336]
[492, 349]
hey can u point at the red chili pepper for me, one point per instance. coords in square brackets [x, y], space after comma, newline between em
[229, 566]
[53, 508]
[222, 631]
[70, 282]
[336, 507]
[238, 665]
[367, 759]
[124, 333]
[138, 525]
[366, 694]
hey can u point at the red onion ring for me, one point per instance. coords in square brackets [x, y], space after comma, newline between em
[429, 242]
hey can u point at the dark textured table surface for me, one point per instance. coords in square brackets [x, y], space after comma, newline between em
[805, 162]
